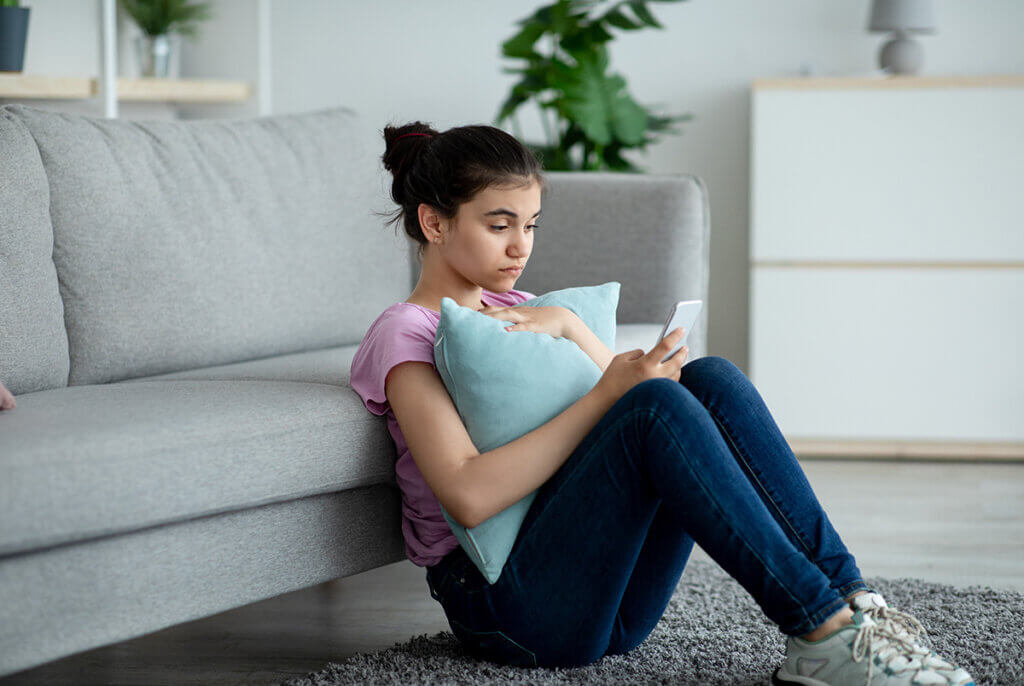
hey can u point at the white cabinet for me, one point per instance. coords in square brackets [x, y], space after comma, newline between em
[887, 264]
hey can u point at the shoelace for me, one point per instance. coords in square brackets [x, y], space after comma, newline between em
[874, 639]
[896, 622]
[907, 627]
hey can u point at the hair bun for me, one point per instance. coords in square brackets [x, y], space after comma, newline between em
[400, 146]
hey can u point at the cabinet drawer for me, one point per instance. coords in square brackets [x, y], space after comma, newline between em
[872, 353]
[889, 175]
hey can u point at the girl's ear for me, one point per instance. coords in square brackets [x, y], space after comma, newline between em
[430, 221]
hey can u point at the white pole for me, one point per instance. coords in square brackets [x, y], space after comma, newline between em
[266, 106]
[108, 58]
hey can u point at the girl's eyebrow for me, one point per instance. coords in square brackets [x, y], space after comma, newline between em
[510, 213]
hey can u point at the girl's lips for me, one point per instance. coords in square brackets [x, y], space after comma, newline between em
[512, 270]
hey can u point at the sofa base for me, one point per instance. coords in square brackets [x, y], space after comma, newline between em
[73, 598]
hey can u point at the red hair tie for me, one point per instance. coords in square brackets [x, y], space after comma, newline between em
[413, 134]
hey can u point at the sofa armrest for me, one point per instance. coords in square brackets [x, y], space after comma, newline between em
[648, 232]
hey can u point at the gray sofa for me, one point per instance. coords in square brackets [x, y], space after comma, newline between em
[179, 305]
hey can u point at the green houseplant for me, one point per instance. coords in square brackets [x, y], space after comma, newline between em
[162, 23]
[567, 77]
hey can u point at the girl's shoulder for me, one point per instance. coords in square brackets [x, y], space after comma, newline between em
[399, 334]
[404, 320]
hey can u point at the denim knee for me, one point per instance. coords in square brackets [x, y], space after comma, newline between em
[710, 365]
[663, 398]
[651, 394]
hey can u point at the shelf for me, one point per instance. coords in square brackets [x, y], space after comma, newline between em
[884, 81]
[24, 86]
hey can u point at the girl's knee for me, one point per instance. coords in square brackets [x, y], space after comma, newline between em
[711, 362]
[661, 397]
[651, 392]
[710, 366]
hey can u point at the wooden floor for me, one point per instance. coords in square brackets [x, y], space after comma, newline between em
[954, 523]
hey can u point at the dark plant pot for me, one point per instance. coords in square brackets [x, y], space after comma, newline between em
[13, 31]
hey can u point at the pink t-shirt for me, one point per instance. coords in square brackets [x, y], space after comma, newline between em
[405, 332]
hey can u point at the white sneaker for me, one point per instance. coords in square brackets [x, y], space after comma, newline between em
[863, 652]
[907, 627]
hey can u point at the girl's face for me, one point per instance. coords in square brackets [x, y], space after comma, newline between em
[494, 231]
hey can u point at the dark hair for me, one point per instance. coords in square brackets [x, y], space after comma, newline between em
[445, 170]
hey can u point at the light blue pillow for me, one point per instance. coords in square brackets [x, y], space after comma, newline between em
[507, 383]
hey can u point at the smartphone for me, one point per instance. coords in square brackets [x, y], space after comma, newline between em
[683, 313]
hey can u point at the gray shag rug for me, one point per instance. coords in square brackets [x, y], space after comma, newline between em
[713, 632]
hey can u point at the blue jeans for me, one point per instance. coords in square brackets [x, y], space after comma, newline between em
[605, 541]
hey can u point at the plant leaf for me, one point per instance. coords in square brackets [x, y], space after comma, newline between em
[521, 44]
[619, 20]
[157, 17]
[529, 86]
[644, 14]
[598, 102]
[587, 38]
[614, 160]
[665, 123]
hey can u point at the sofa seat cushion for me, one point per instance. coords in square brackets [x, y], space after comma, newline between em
[633, 336]
[330, 366]
[95, 460]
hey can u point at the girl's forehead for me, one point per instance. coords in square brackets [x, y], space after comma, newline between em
[523, 195]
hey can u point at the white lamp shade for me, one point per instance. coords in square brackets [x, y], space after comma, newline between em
[904, 15]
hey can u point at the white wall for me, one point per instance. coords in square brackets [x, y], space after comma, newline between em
[439, 61]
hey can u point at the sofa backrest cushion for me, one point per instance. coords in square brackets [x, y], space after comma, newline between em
[187, 244]
[33, 342]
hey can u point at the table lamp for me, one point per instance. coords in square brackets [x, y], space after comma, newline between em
[901, 54]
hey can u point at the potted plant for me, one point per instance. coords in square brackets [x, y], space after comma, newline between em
[163, 23]
[595, 118]
[13, 32]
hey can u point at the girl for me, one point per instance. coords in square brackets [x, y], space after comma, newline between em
[657, 456]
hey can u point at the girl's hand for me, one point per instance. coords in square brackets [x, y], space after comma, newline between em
[628, 369]
[6, 399]
[550, 320]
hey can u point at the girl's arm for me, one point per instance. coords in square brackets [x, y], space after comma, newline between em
[580, 334]
[556, 321]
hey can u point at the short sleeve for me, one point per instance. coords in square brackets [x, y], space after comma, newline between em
[399, 335]
[526, 295]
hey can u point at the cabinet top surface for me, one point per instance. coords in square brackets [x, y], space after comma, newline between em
[887, 82]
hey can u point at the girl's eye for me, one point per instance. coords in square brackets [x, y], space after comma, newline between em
[531, 226]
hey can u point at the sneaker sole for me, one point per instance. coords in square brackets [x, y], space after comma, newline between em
[794, 679]
[807, 681]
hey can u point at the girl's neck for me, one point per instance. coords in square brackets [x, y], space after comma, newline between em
[434, 302]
